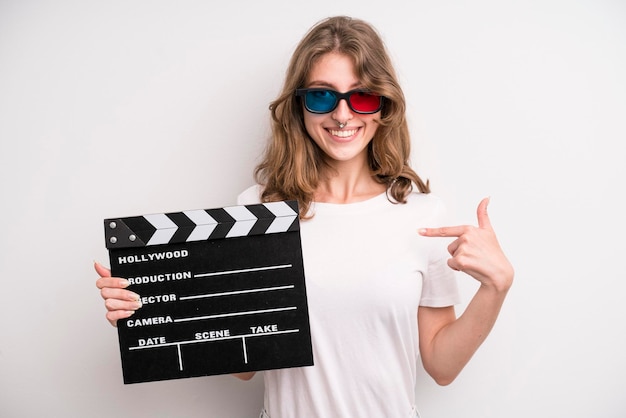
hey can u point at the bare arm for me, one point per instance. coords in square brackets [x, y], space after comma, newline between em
[448, 343]
[244, 376]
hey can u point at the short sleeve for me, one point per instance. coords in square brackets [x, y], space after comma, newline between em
[440, 287]
[250, 196]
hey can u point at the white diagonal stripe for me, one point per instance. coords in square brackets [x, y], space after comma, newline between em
[284, 217]
[281, 224]
[280, 209]
[205, 224]
[244, 221]
[165, 228]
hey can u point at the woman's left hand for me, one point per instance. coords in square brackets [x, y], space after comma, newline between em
[476, 251]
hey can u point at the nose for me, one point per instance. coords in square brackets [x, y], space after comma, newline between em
[342, 112]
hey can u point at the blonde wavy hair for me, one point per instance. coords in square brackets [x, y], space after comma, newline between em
[292, 165]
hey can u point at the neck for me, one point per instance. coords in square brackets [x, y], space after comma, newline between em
[348, 183]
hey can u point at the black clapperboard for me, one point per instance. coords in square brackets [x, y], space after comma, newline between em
[223, 291]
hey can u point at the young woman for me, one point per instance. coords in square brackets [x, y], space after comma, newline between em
[380, 284]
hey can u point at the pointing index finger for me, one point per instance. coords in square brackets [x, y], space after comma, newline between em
[445, 231]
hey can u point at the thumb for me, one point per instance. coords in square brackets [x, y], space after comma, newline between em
[483, 216]
[101, 270]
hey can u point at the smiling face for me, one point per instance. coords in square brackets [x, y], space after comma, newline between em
[340, 145]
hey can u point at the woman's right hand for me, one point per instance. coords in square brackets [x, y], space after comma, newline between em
[120, 303]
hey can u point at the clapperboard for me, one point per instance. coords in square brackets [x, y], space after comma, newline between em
[223, 291]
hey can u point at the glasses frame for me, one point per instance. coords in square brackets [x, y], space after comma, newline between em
[338, 96]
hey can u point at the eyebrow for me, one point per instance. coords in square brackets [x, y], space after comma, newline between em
[326, 84]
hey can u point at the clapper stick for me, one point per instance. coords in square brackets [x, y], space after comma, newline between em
[223, 291]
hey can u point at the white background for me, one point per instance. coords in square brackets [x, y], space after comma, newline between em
[120, 108]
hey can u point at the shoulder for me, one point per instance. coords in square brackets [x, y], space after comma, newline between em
[424, 207]
[250, 196]
[427, 201]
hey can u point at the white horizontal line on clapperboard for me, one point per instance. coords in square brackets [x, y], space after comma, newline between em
[232, 337]
[220, 273]
[237, 292]
[200, 318]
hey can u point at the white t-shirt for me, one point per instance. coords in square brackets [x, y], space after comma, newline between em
[367, 270]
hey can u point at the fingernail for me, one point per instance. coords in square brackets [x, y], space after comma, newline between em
[138, 304]
[124, 282]
[135, 296]
[422, 231]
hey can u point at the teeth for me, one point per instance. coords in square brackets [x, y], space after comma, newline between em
[343, 134]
